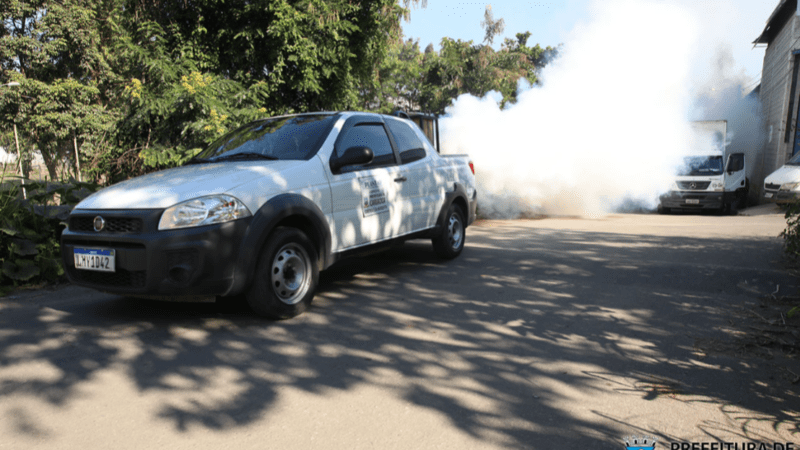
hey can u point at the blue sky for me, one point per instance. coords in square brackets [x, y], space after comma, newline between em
[731, 23]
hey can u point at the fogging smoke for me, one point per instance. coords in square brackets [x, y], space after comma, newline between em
[608, 126]
[724, 95]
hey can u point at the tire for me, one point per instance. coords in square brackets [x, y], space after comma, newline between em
[727, 209]
[286, 276]
[450, 242]
[742, 194]
[662, 210]
[733, 208]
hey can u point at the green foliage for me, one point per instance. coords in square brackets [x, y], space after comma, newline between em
[118, 79]
[30, 229]
[209, 67]
[490, 26]
[791, 237]
[55, 52]
[430, 80]
[121, 87]
[399, 79]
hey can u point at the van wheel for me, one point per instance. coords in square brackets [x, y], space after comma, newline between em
[450, 241]
[742, 194]
[286, 276]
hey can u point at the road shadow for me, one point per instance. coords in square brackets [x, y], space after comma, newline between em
[494, 340]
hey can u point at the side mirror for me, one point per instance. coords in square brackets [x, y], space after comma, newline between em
[352, 156]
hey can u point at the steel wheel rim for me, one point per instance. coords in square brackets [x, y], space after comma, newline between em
[455, 232]
[290, 273]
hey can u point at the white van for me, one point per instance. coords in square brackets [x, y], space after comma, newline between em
[783, 185]
[711, 178]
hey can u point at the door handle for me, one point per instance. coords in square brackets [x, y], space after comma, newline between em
[401, 179]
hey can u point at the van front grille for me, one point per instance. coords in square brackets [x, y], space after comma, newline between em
[694, 185]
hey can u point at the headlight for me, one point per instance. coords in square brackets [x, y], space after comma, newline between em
[790, 186]
[203, 211]
[717, 185]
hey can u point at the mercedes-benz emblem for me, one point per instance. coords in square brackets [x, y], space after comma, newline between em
[692, 186]
[99, 223]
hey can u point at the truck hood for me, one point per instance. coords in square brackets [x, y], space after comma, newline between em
[169, 187]
[786, 174]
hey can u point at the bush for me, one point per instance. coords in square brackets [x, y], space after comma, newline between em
[30, 229]
[791, 237]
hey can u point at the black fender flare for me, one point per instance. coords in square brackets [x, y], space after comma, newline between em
[289, 209]
[459, 196]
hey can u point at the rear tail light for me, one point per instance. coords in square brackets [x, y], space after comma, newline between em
[472, 167]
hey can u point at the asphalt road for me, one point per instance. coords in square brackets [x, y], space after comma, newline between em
[544, 334]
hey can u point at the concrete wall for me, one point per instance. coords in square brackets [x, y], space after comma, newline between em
[776, 84]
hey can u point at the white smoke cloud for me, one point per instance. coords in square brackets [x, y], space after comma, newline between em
[724, 94]
[609, 124]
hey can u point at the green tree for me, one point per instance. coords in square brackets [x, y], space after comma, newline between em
[55, 52]
[465, 68]
[120, 79]
[196, 70]
[399, 79]
[311, 54]
[490, 26]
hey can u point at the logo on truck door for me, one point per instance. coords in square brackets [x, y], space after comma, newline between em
[373, 197]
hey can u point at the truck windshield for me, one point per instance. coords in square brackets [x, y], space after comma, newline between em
[702, 165]
[292, 137]
[794, 160]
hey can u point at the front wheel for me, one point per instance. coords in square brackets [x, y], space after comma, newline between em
[286, 276]
[450, 241]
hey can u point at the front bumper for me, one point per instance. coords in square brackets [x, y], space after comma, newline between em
[695, 200]
[778, 196]
[198, 261]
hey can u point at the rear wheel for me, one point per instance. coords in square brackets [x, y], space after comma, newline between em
[286, 276]
[450, 241]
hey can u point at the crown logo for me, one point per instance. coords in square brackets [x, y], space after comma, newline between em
[640, 442]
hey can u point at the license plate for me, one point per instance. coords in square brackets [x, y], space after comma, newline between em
[99, 259]
[768, 195]
[692, 201]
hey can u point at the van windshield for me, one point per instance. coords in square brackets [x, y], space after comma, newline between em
[292, 137]
[794, 160]
[701, 165]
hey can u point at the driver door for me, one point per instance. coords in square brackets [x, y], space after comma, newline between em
[364, 197]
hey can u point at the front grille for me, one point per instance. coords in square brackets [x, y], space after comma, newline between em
[694, 185]
[104, 243]
[772, 186]
[120, 278]
[113, 224]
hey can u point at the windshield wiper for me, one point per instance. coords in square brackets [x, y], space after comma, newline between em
[246, 155]
[196, 160]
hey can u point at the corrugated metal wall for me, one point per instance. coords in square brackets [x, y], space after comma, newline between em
[776, 83]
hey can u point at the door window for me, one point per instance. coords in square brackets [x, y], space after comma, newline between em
[369, 135]
[408, 143]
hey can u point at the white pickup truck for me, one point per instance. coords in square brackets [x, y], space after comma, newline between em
[266, 207]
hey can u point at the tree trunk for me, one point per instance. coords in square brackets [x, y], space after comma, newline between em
[51, 164]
